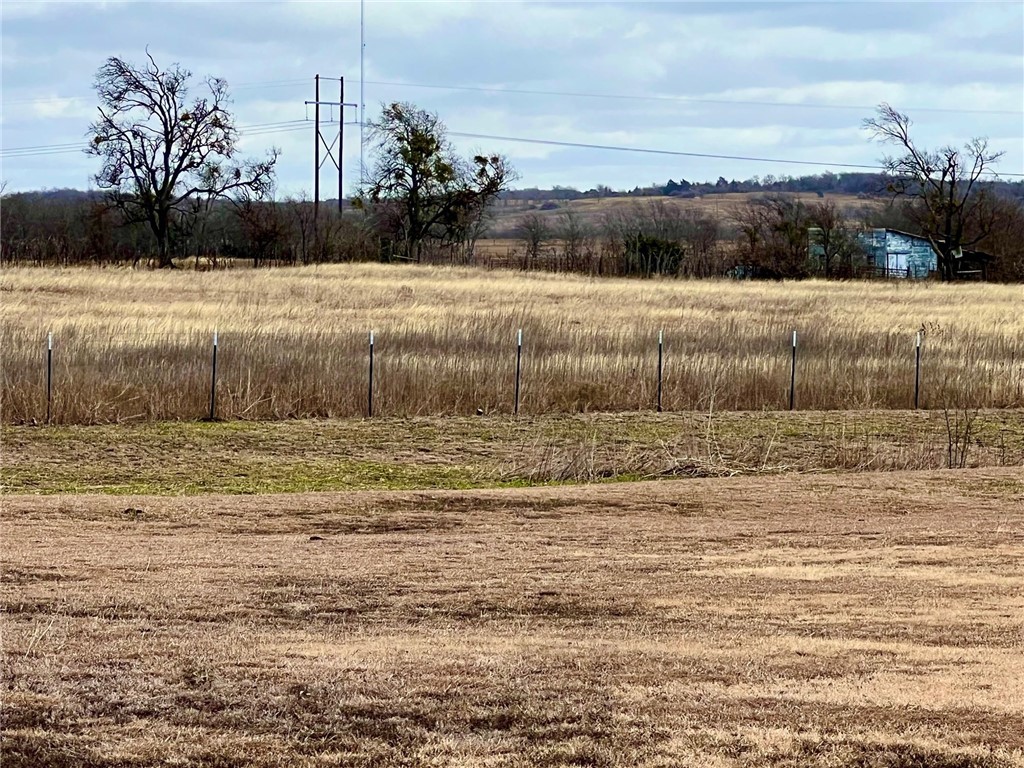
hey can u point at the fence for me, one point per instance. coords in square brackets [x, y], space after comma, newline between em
[289, 375]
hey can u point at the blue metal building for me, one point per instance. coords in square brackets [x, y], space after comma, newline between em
[885, 252]
[900, 254]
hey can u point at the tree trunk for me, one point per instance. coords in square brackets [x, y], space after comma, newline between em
[164, 253]
[163, 240]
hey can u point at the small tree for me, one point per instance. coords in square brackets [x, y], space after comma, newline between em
[951, 208]
[533, 232]
[576, 236]
[700, 234]
[834, 237]
[773, 236]
[417, 173]
[160, 149]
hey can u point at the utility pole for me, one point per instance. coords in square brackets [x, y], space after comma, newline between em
[333, 149]
[362, 92]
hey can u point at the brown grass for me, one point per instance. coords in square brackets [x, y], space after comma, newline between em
[136, 345]
[860, 620]
[471, 452]
[722, 207]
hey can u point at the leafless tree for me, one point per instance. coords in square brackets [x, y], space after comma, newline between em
[575, 234]
[833, 235]
[299, 212]
[773, 236]
[533, 232]
[952, 207]
[160, 148]
[262, 224]
[700, 234]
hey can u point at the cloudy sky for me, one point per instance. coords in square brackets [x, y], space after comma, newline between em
[767, 81]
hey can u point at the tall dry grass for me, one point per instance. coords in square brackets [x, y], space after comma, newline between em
[293, 343]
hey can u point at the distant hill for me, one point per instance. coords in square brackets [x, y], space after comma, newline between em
[65, 195]
[862, 184]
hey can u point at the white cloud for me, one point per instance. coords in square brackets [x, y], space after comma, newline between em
[54, 107]
[950, 55]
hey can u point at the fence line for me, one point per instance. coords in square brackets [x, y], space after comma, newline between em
[518, 377]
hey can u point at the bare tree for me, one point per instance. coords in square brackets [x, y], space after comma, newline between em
[300, 216]
[576, 235]
[833, 236]
[646, 239]
[773, 236]
[944, 182]
[262, 224]
[160, 148]
[700, 233]
[533, 232]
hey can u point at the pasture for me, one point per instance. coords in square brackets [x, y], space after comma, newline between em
[868, 619]
[295, 584]
[721, 207]
[293, 343]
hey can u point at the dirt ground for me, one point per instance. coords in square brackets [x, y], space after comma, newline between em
[870, 620]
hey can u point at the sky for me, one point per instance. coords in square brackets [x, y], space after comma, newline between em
[758, 81]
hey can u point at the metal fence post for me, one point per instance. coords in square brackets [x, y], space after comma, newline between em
[213, 380]
[792, 377]
[917, 373]
[661, 358]
[369, 392]
[49, 376]
[519, 368]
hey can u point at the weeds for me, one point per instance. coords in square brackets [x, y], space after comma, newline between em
[472, 452]
[959, 434]
[136, 346]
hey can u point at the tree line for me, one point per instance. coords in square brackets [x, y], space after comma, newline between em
[172, 187]
[766, 236]
[866, 185]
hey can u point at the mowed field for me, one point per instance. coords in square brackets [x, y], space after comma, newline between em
[590, 583]
[869, 619]
[293, 343]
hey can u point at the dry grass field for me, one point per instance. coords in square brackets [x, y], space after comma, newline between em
[131, 346]
[283, 587]
[864, 620]
[501, 246]
[722, 207]
[171, 458]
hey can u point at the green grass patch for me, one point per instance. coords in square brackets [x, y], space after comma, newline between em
[244, 457]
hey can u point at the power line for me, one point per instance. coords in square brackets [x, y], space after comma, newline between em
[648, 151]
[671, 98]
[298, 125]
[676, 153]
[689, 99]
[245, 86]
[43, 146]
[257, 129]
